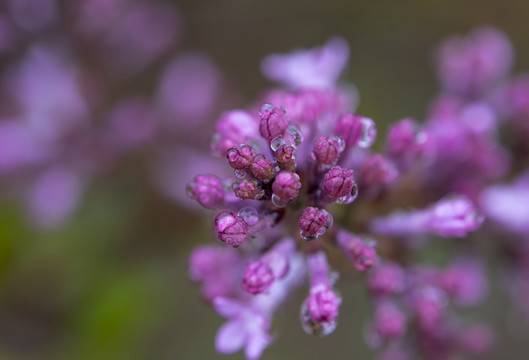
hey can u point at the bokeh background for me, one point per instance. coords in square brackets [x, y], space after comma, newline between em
[111, 282]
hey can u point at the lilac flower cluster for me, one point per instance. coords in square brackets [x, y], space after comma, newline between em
[300, 155]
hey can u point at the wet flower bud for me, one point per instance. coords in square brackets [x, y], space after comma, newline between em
[338, 182]
[323, 305]
[231, 228]
[285, 154]
[286, 185]
[313, 222]
[257, 277]
[240, 157]
[262, 168]
[246, 189]
[273, 121]
[207, 190]
[327, 149]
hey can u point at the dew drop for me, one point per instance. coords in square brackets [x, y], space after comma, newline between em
[249, 215]
[338, 140]
[295, 134]
[276, 143]
[240, 173]
[277, 201]
[306, 237]
[369, 133]
[265, 109]
[347, 199]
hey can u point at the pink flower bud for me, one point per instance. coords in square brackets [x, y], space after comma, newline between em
[246, 189]
[207, 190]
[231, 228]
[262, 168]
[313, 222]
[286, 185]
[240, 157]
[257, 277]
[327, 149]
[273, 122]
[338, 182]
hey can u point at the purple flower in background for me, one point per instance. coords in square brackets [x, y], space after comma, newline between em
[319, 67]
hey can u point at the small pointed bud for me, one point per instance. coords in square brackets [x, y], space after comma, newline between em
[273, 122]
[231, 228]
[240, 157]
[262, 168]
[286, 185]
[207, 190]
[246, 189]
[376, 171]
[338, 182]
[361, 252]
[404, 143]
[386, 278]
[313, 222]
[257, 277]
[327, 149]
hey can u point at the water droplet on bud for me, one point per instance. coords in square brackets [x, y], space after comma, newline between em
[265, 109]
[249, 215]
[338, 140]
[294, 133]
[277, 201]
[276, 143]
[240, 173]
[369, 133]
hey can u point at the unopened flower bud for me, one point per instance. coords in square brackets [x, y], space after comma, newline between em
[262, 168]
[323, 305]
[386, 278]
[246, 189]
[313, 222]
[286, 185]
[231, 228]
[273, 121]
[327, 149]
[207, 190]
[257, 277]
[240, 157]
[338, 182]
[389, 321]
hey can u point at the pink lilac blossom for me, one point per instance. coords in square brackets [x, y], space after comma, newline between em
[305, 150]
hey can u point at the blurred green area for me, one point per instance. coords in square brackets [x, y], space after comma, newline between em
[112, 283]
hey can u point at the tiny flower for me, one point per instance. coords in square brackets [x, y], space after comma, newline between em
[240, 157]
[207, 190]
[231, 228]
[248, 189]
[286, 185]
[273, 122]
[327, 149]
[323, 305]
[262, 168]
[338, 182]
[313, 222]
[257, 277]
[361, 253]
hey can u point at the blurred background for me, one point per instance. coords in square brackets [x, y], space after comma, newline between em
[94, 225]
